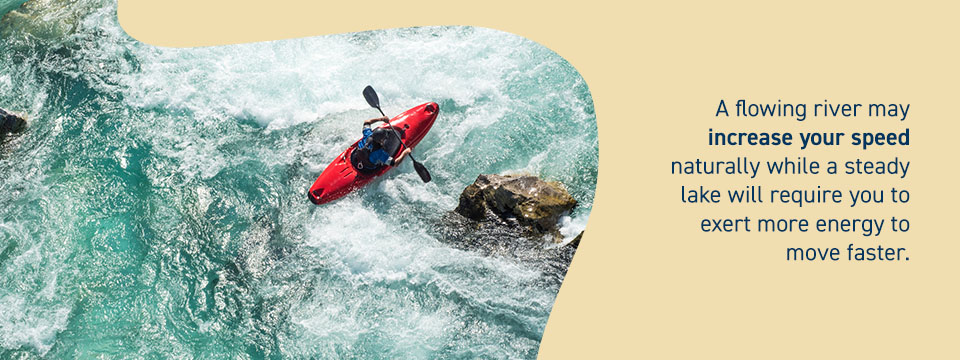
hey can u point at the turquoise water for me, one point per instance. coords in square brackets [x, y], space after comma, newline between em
[7, 5]
[156, 206]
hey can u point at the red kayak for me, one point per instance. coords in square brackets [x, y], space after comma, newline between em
[342, 176]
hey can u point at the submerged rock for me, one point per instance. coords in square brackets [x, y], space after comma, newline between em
[11, 123]
[525, 200]
[41, 19]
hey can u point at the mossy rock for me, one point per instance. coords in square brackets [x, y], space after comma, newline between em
[524, 199]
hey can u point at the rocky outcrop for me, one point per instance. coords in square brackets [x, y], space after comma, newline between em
[514, 217]
[525, 200]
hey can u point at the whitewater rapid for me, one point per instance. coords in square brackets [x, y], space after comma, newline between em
[156, 206]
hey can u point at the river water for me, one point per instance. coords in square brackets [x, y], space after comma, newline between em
[156, 205]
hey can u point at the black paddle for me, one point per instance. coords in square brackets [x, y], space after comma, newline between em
[374, 101]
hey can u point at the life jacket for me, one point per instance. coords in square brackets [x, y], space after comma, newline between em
[360, 157]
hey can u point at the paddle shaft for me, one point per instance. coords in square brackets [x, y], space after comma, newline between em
[374, 101]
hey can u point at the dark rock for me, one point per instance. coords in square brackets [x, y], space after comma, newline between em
[11, 123]
[524, 200]
[576, 241]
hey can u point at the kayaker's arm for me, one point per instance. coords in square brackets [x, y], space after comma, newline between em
[400, 157]
[371, 121]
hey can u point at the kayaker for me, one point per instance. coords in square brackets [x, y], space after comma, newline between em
[352, 169]
[375, 147]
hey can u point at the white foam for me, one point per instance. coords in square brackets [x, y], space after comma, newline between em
[367, 251]
[25, 324]
[289, 82]
[571, 227]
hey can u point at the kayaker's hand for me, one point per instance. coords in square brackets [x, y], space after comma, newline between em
[384, 119]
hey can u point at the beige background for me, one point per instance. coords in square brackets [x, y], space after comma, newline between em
[646, 283]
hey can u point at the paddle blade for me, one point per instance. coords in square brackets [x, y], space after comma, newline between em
[371, 96]
[422, 171]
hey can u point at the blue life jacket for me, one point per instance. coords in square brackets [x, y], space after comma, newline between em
[377, 155]
[370, 156]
